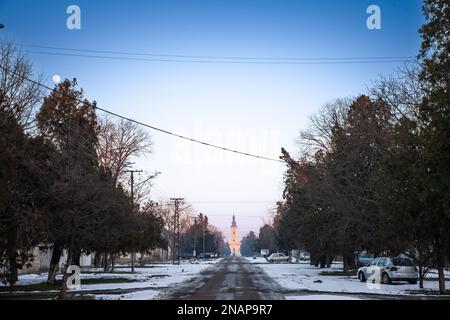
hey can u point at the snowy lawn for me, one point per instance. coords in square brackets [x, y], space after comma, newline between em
[153, 278]
[138, 295]
[303, 276]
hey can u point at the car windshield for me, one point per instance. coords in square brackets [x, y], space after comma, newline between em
[402, 262]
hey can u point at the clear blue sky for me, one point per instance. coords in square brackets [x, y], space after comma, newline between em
[254, 108]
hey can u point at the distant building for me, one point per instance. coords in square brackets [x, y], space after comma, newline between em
[234, 243]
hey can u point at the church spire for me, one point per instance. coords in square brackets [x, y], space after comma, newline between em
[233, 242]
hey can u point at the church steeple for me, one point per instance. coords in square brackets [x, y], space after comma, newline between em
[233, 242]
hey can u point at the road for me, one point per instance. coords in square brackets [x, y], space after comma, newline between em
[233, 278]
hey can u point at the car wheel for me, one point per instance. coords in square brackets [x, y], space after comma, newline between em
[412, 281]
[361, 276]
[385, 279]
[271, 261]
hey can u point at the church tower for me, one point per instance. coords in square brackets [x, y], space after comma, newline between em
[233, 242]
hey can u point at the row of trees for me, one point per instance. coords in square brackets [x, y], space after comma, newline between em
[266, 239]
[62, 177]
[375, 170]
[200, 235]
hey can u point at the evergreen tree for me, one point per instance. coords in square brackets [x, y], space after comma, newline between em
[435, 133]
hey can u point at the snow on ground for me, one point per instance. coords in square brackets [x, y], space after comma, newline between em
[154, 278]
[303, 276]
[158, 276]
[138, 295]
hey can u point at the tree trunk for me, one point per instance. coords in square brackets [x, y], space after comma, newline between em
[54, 264]
[142, 261]
[97, 259]
[421, 276]
[76, 258]
[132, 261]
[440, 267]
[12, 272]
[329, 261]
[105, 262]
[63, 292]
[351, 262]
[11, 251]
[113, 262]
[440, 264]
[104, 256]
[323, 261]
[345, 263]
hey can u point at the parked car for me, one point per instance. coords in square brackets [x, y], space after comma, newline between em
[265, 253]
[304, 256]
[387, 270]
[206, 255]
[363, 259]
[278, 257]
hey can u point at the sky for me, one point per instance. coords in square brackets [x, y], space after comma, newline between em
[255, 108]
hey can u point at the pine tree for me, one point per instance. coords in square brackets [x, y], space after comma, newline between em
[435, 134]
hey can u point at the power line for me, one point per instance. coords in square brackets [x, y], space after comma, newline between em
[376, 61]
[146, 125]
[212, 57]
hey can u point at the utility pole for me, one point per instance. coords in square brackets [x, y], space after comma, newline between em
[176, 228]
[132, 172]
[204, 256]
[195, 238]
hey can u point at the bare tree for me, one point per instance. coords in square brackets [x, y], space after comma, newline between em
[119, 143]
[402, 91]
[319, 135]
[22, 95]
[142, 188]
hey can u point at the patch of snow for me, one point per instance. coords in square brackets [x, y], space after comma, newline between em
[138, 295]
[257, 260]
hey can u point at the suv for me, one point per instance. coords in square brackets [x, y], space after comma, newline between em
[205, 255]
[386, 270]
[277, 257]
[363, 259]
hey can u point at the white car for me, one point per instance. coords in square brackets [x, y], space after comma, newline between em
[386, 270]
[304, 256]
[277, 257]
